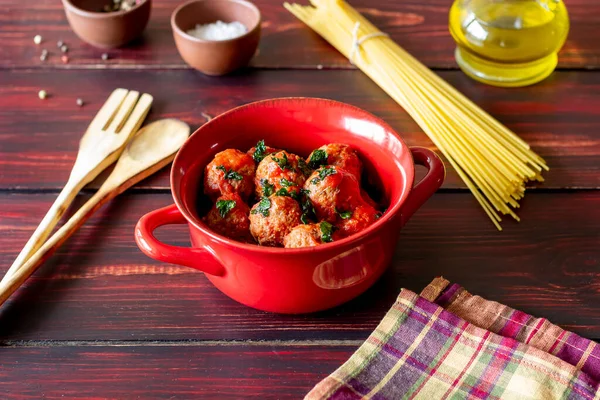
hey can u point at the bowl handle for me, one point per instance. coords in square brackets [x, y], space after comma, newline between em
[197, 258]
[427, 186]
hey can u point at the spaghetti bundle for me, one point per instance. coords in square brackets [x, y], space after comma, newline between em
[494, 163]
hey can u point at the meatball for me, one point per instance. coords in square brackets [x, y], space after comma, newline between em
[331, 191]
[260, 151]
[231, 171]
[338, 155]
[229, 217]
[358, 219]
[272, 218]
[281, 173]
[303, 236]
[310, 235]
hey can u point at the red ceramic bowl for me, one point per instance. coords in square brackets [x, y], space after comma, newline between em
[293, 280]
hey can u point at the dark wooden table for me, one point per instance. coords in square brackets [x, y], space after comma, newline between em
[101, 320]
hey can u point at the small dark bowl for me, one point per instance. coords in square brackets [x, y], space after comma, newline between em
[216, 57]
[106, 29]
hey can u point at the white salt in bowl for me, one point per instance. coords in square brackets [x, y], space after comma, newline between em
[216, 57]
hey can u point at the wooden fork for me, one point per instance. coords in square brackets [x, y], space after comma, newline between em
[150, 150]
[104, 140]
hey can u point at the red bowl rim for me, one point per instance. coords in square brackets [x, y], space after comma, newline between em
[388, 215]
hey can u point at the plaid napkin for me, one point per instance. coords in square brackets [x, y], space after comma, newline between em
[421, 350]
[508, 322]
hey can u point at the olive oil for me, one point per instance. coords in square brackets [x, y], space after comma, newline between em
[508, 42]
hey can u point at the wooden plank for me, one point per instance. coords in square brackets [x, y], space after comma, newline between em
[101, 287]
[236, 371]
[421, 27]
[38, 139]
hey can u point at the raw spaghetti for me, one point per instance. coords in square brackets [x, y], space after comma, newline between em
[494, 163]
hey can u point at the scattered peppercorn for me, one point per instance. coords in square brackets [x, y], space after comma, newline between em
[104, 56]
[80, 102]
[120, 5]
[59, 44]
[37, 39]
[64, 48]
[42, 94]
[65, 59]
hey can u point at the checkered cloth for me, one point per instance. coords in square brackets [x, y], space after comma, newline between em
[508, 322]
[419, 350]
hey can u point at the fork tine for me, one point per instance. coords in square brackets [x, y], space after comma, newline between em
[137, 115]
[109, 108]
[120, 118]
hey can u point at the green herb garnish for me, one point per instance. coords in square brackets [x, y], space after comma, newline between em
[317, 158]
[326, 231]
[284, 192]
[283, 162]
[308, 210]
[285, 183]
[344, 214]
[323, 173]
[233, 175]
[260, 151]
[304, 168]
[230, 174]
[304, 219]
[267, 187]
[224, 206]
[263, 207]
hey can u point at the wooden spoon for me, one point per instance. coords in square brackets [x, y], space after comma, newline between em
[104, 140]
[151, 149]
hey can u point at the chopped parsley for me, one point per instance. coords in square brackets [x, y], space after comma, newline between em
[230, 174]
[260, 151]
[304, 168]
[323, 173]
[304, 219]
[326, 231]
[283, 162]
[263, 207]
[284, 192]
[308, 210]
[285, 183]
[267, 187]
[224, 206]
[344, 214]
[317, 158]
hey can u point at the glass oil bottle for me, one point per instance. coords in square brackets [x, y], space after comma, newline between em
[508, 42]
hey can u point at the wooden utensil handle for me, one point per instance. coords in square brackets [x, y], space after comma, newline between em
[12, 282]
[50, 220]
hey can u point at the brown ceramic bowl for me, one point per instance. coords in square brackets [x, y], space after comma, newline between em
[216, 57]
[106, 29]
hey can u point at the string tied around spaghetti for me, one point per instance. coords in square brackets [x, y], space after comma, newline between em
[357, 42]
